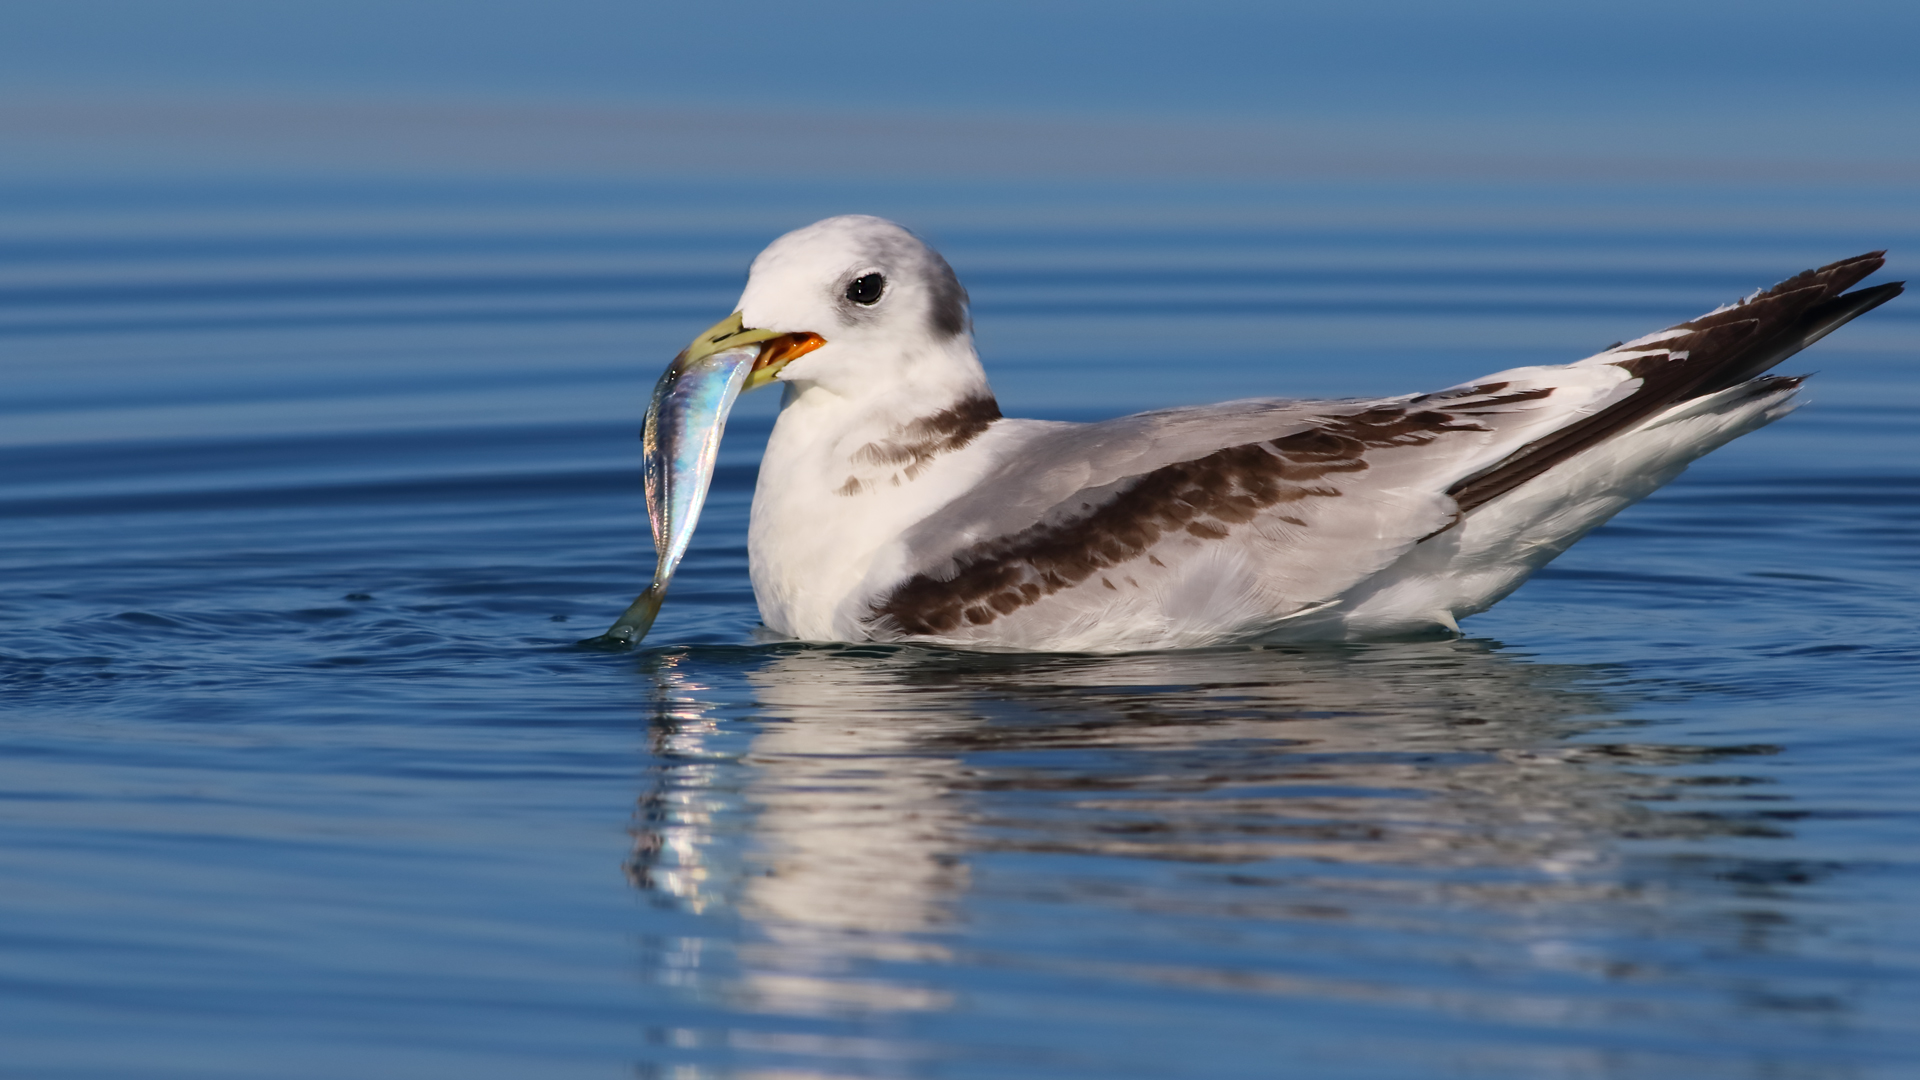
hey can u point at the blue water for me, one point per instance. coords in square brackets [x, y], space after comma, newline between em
[308, 490]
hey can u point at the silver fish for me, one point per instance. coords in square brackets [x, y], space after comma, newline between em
[681, 441]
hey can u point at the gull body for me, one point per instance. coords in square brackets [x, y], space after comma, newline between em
[895, 503]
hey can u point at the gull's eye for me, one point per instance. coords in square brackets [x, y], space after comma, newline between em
[866, 290]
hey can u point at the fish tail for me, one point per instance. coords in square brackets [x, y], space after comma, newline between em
[633, 623]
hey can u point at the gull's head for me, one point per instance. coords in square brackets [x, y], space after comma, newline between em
[852, 304]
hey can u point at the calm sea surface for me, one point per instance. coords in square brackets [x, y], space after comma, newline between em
[306, 492]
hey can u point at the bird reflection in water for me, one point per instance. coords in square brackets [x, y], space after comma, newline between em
[1345, 814]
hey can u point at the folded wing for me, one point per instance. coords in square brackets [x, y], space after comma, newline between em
[1191, 526]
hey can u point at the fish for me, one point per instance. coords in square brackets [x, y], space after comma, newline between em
[684, 425]
[681, 444]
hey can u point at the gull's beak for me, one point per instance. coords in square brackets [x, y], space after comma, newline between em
[776, 349]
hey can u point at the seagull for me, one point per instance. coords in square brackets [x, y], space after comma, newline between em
[896, 504]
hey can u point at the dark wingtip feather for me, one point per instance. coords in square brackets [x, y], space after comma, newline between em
[1720, 350]
[1821, 285]
[1814, 323]
[1845, 274]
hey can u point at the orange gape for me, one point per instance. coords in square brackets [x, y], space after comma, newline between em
[777, 351]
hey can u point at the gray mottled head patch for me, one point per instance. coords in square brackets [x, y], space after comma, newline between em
[894, 255]
[946, 297]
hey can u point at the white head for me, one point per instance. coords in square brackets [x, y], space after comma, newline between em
[884, 313]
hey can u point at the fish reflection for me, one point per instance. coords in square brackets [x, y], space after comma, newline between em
[848, 802]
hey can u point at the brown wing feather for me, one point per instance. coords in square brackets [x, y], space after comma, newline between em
[1204, 498]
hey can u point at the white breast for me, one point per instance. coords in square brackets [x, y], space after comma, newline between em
[823, 510]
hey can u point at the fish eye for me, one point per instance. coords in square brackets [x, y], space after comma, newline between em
[866, 290]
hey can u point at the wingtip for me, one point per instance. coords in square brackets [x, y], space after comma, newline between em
[1843, 275]
[1879, 294]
